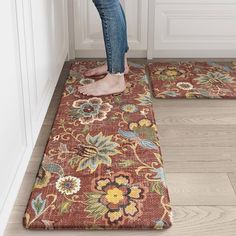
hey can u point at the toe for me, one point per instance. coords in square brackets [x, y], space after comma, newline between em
[80, 88]
[85, 91]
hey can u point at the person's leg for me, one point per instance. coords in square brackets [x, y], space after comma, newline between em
[115, 37]
[126, 38]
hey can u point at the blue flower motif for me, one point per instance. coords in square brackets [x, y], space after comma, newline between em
[128, 134]
[160, 174]
[148, 144]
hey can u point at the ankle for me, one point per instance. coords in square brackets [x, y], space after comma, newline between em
[116, 78]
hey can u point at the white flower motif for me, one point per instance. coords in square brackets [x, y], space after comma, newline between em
[184, 85]
[68, 185]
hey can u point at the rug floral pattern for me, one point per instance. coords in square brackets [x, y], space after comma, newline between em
[193, 79]
[102, 166]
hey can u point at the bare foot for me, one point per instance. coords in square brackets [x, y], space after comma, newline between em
[102, 70]
[110, 84]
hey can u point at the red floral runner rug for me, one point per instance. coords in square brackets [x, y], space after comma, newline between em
[102, 166]
[193, 79]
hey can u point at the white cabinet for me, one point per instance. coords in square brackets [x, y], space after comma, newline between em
[88, 30]
[14, 128]
[34, 46]
[162, 28]
[195, 28]
[47, 38]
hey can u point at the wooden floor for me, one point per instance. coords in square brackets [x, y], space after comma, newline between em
[198, 141]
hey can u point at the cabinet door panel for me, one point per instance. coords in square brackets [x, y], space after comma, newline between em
[48, 37]
[195, 29]
[88, 30]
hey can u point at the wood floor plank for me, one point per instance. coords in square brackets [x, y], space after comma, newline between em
[185, 153]
[195, 112]
[199, 166]
[200, 189]
[198, 135]
[195, 104]
[232, 177]
[207, 117]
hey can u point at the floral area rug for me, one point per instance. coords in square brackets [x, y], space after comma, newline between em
[102, 166]
[193, 79]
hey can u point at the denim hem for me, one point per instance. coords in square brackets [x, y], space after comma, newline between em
[117, 73]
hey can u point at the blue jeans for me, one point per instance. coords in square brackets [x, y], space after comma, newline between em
[114, 33]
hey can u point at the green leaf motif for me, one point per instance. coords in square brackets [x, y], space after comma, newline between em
[38, 204]
[144, 99]
[53, 168]
[144, 80]
[85, 129]
[84, 163]
[117, 99]
[70, 89]
[64, 207]
[126, 163]
[74, 160]
[94, 207]
[157, 187]
[98, 150]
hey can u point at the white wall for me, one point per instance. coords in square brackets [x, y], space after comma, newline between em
[162, 28]
[34, 46]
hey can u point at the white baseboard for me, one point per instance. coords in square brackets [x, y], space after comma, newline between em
[194, 54]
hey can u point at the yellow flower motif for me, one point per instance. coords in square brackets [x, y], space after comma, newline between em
[101, 183]
[115, 215]
[171, 72]
[70, 80]
[121, 180]
[135, 192]
[141, 124]
[145, 122]
[131, 209]
[42, 179]
[116, 201]
[114, 195]
[133, 125]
